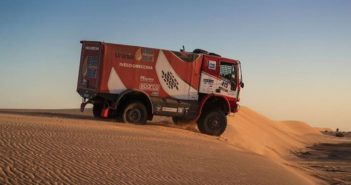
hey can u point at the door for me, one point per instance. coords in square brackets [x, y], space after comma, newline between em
[209, 75]
[228, 83]
[219, 76]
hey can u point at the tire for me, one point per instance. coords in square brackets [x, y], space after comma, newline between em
[97, 108]
[180, 120]
[135, 112]
[212, 123]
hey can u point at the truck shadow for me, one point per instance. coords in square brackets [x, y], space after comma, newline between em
[87, 115]
[184, 126]
[47, 114]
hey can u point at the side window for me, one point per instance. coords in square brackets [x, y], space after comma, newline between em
[228, 71]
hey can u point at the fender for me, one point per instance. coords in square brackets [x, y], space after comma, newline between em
[204, 100]
[126, 92]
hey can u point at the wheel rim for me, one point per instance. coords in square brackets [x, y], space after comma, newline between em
[134, 115]
[214, 123]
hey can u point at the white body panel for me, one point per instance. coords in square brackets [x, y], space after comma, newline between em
[115, 84]
[171, 82]
[209, 84]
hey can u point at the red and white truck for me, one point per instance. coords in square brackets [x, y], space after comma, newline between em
[133, 83]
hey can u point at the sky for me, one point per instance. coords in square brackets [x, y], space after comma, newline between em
[295, 54]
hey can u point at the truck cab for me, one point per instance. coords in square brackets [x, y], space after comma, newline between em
[221, 76]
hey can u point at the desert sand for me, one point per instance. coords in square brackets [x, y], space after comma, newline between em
[68, 147]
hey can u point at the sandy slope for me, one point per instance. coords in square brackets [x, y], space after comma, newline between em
[78, 150]
[254, 132]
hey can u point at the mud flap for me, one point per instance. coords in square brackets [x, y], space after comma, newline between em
[105, 112]
[82, 106]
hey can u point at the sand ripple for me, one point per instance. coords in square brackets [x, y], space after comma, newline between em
[41, 150]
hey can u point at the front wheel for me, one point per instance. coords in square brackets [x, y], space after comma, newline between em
[135, 112]
[212, 123]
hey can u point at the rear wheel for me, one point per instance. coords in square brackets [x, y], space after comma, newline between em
[97, 109]
[135, 112]
[212, 123]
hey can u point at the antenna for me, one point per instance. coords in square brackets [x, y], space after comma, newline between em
[183, 49]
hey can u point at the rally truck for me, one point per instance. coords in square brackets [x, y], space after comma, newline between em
[133, 83]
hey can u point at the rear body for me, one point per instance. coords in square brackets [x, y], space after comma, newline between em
[168, 83]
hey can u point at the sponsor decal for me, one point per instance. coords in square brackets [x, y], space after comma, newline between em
[149, 87]
[225, 84]
[124, 55]
[92, 63]
[92, 48]
[208, 81]
[148, 55]
[212, 65]
[146, 79]
[146, 83]
[141, 54]
[135, 66]
[138, 55]
[170, 80]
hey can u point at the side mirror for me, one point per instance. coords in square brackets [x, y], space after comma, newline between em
[242, 84]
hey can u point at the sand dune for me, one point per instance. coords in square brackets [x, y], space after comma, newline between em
[72, 148]
[254, 132]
